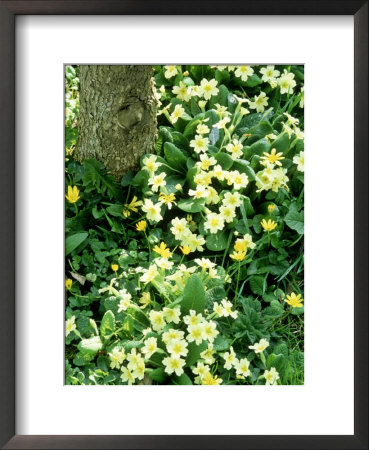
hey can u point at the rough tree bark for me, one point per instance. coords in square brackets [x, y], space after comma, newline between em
[117, 117]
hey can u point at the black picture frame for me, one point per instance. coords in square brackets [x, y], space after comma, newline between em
[8, 12]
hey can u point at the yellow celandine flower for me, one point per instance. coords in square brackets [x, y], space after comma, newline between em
[209, 380]
[114, 267]
[68, 283]
[163, 250]
[240, 245]
[141, 225]
[132, 206]
[73, 194]
[238, 256]
[268, 225]
[185, 250]
[168, 199]
[273, 157]
[294, 300]
[271, 208]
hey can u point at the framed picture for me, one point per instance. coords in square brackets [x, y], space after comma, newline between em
[75, 371]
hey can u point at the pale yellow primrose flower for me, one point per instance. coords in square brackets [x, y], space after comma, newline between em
[199, 144]
[117, 356]
[259, 103]
[244, 72]
[230, 359]
[271, 376]
[300, 161]
[260, 346]
[150, 164]
[177, 113]
[70, 325]
[177, 348]
[157, 320]
[286, 82]
[208, 88]
[153, 211]
[235, 149]
[150, 347]
[171, 71]
[269, 74]
[173, 364]
[182, 92]
[157, 181]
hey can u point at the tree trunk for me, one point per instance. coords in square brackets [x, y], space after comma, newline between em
[117, 117]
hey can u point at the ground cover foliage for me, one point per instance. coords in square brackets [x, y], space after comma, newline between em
[190, 270]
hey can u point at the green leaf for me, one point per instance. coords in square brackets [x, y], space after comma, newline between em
[217, 242]
[298, 359]
[221, 344]
[224, 160]
[90, 346]
[194, 352]
[141, 179]
[192, 205]
[174, 156]
[281, 349]
[182, 379]
[273, 312]
[158, 375]
[115, 210]
[258, 148]
[282, 143]
[253, 80]
[193, 296]
[295, 220]
[73, 241]
[107, 326]
[257, 285]
[249, 209]
[277, 361]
